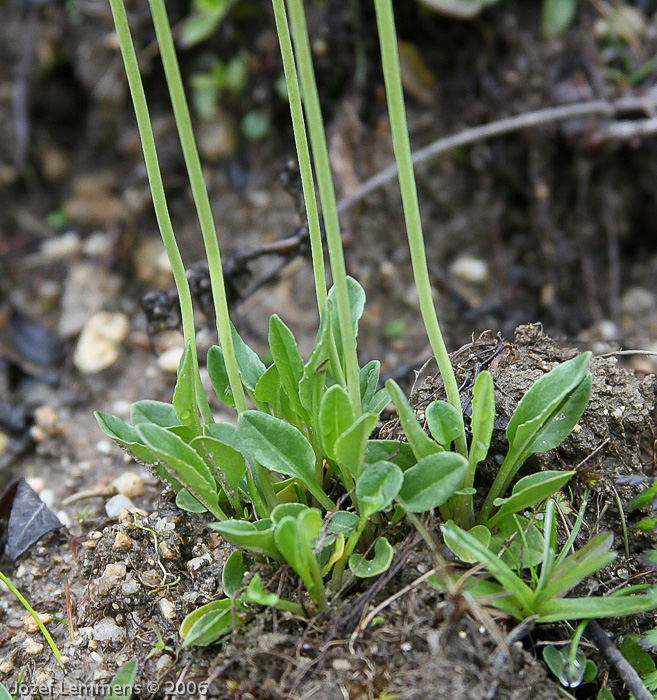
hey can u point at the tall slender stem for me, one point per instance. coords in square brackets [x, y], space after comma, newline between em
[327, 196]
[201, 198]
[157, 190]
[398, 125]
[303, 150]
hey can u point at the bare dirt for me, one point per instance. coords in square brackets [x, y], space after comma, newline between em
[552, 225]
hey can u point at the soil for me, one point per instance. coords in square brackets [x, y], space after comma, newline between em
[552, 225]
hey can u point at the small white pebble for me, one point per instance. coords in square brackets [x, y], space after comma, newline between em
[116, 504]
[104, 447]
[32, 647]
[469, 269]
[129, 484]
[36, 482]
[47, 496]
[406, 646]
[170, 359]
[168, 609]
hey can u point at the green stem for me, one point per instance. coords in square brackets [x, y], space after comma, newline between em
[399, 128]
[157, 190]
[35, 616]
[327, 196]
[303, 151]
[201, 198]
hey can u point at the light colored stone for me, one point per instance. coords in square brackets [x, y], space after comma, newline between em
[152, 264]
[99, 343]
[130, 587]
[469, 269]
[122, 541]
[66, 245]
[129, 484]
[32, 646]
[637, 300]
[197, 562]
[170, 359]
[112, 577]
[117, 504]
[87, 289]
[30, 624]
[106, 630]
[168, 609]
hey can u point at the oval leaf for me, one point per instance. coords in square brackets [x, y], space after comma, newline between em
[287, 359]
[483, 417]
[184, 394]
[366, 568]
[445, 422]
[432, 481]
[421, 444]
[335, 417]
[377, 487]
[219, 376]
[233, 574]
[280, 447]
[255, 537]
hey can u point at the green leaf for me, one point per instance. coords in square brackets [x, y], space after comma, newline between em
[250, 366]
[214, 623]
[366, 568]
[255, 593]
[558, 660]
[483, 417]
[550, 409]
[557, 17]
[313, 380]
[283, 510]
[4, 693]
[185, 501]
[558, 609]
[227, 433]
[188, 465]
[255, 537]
[421, 444]
[369, 380]
[640, 660]
[343, 522]
[233, 574]
[125, 435]
[224, 457]
[522, 541]
[644, 499]
[122, 683]
[356, 308]
[282, 448]
[268, 386]
[578, 566]
[157, 412]
[480, 532]
[400, 453]
[350, 446]
[287, 359]
[445, 422]
[377, 487]
[219, 376]
[184, 395]
[295, 538]
[432, 481]
[529, 492]
[379, 401]
[336, 415]
[605, 694]
[509, 580]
